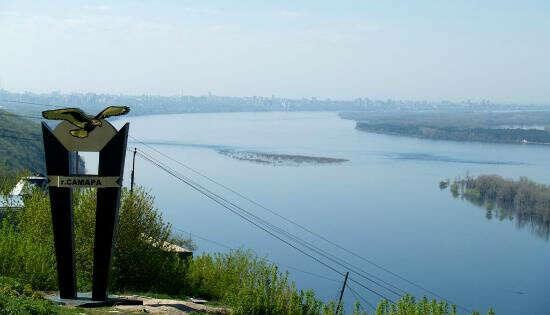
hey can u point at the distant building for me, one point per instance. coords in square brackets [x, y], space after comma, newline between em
[16, 198]
[170, 247]
[180, 250]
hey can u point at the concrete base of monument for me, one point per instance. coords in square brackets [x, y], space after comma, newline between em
[85, 300]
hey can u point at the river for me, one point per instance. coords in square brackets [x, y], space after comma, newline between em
[384, 203]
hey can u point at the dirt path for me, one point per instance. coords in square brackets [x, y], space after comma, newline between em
[168, 306]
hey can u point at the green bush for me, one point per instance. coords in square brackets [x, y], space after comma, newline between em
[140, 262]
[26, 244]
[139, 259]
[17, 298]
[250, 285]
[22, 257]
[407, 305]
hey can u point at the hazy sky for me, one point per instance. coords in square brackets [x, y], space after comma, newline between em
[497, 50]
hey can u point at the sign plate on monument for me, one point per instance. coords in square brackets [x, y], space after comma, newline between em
[84, 181]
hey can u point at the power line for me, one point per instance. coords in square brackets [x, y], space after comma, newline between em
[19, 138]
[18, 115]
[302, 227]
[267, 209]
[231, 248]
[308, 272]
[20, 132]
[329, 256]
[29, 103]
[358, 296]
[311, 247]
[216, 198]
[204, 239]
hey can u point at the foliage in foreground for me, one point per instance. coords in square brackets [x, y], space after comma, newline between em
[246, 283]
[409, 306]
[140, 259]
[18, 298]
[251, 285]
[141, 262]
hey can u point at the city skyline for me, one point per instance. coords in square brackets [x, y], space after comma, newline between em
[431, 51]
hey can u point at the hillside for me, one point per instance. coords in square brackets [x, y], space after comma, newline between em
[237, 280]
[20, 144]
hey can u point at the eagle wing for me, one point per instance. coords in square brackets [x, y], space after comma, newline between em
[113, 111]
[73, 115]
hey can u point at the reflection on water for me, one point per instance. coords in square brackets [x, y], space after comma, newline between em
[535, 223]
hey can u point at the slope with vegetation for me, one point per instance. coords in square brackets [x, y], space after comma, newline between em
[239, 279]
[20, 143]
[19, 298]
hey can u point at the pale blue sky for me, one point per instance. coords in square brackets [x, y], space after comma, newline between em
[457, 50]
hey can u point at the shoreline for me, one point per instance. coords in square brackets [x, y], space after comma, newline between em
[420, 136]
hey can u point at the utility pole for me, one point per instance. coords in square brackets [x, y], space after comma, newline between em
[133, 168]
[342, 294]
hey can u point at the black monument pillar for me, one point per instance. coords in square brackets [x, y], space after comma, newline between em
[111, 163]
[81, 132]
[58, 162]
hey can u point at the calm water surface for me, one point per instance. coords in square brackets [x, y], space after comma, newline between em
[384, 204]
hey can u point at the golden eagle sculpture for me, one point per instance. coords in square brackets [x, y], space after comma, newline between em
[85, 123]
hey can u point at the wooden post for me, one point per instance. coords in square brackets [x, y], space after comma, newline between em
[342, 294]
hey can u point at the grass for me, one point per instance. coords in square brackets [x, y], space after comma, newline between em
[17, 297]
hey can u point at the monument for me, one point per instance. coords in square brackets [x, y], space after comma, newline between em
[81, 132]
